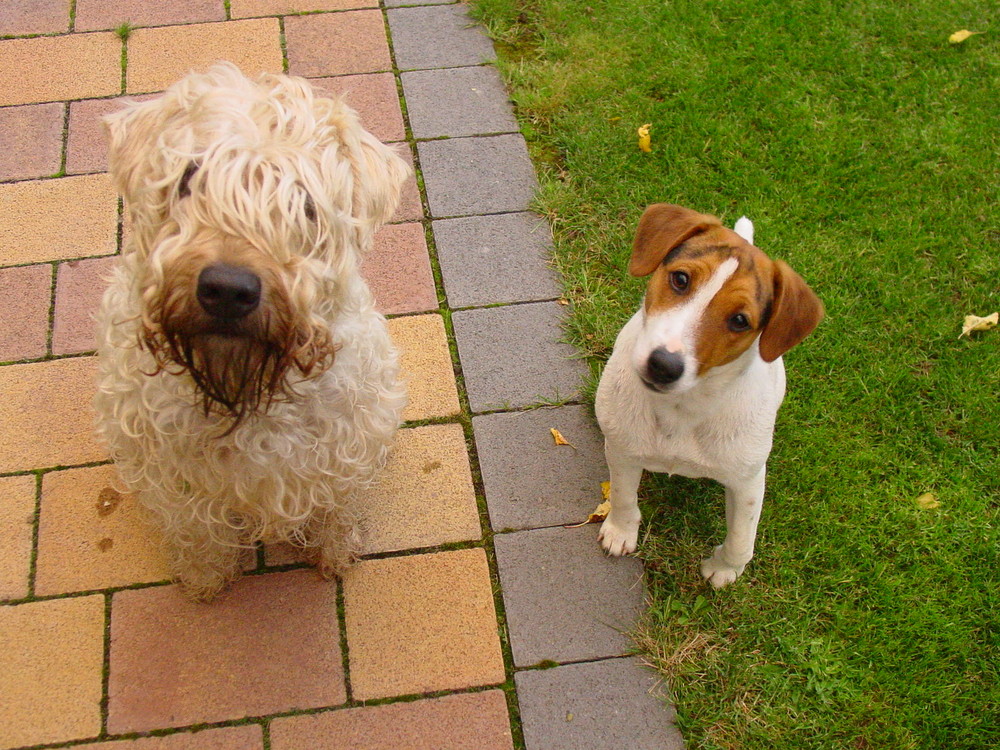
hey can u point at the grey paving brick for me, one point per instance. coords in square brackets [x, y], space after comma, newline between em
[441, 36]
[553, 484]
[500, 258]
[465, 176]
[512, 356]
[457, 102]
[616, 703]
[565, 599]
[401, 3]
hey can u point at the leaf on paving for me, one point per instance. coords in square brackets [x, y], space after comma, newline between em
[606, 490]
[975, 323]
[559, 439]
[563, 301]
[597, 515]
[927, 501]
[960, 36]
[644, 140]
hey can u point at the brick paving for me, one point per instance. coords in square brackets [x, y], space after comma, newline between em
[475, 620]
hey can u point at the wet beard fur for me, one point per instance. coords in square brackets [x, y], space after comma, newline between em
[238, 375]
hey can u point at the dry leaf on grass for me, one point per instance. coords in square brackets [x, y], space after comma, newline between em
[927, 501]
[644, 139]
[960, 36]
[975, 323]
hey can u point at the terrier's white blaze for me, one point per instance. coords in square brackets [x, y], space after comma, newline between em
[744, 228]
[676, 328]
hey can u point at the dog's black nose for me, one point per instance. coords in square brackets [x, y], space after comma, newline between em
[664, 367]
[228, 292]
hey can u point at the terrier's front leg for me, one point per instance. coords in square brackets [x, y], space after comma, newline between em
[204, 558]
[743, 505]
[334, 542]
[620, 531]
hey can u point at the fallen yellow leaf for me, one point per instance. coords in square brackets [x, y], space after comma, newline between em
[975, 323]
[605, 490]
[644, 140]
[960, 36]
[927, 501]
[597, 515]
[559, 439]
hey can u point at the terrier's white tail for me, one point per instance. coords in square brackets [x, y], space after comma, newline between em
[744, 228]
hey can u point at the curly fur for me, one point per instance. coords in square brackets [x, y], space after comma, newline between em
[264, 428]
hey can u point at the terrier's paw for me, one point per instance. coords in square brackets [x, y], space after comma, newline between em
[718, 572]
[618, 540]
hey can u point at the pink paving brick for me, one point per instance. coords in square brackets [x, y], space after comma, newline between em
[410, 206]
[21, 17]
[87, 143]
[94, 15]
[398, 269]
[226, 738]
[251, 8]
[24, 310]
[268, 644]
[473, 720]
[375, 99]
[79, 286]
[30, 141]
[337, 44]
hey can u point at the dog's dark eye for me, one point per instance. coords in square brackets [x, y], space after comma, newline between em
[679, 281]
[183, 189]
[739, 323]
[309, 209]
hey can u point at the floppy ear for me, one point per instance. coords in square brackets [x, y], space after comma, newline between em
[663, 227]
[795, 312]
[380, 176]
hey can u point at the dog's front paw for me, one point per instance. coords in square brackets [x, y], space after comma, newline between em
[617, 539]
[718, 572]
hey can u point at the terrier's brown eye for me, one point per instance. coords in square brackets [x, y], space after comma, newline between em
[183, 189]
[309, 209]
[679, 281]
[739, 323]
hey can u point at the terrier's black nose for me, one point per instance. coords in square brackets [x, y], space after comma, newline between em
[664, 367]
[228, 292]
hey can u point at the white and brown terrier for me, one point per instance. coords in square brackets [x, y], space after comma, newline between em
[696, 378]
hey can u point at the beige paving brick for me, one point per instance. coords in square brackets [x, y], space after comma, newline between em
[17, 520]
[374, 97]
[24, 310]
[472, 720]
[426, 366]
[57, 68]
[157, 57]
[425, 495]
[252, 8]
[45, 415]
[337, 44]
[226, 738]
[92, 536]
[79, 287]
[268, 644]
[398, 270]
[21, 17]
[31, 140]
[53, 653]
[421, 623]
[72, 217]
[92, 15]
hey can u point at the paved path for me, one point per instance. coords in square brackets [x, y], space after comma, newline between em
[471, 584]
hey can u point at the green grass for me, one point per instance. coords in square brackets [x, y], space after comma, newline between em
[865, 148]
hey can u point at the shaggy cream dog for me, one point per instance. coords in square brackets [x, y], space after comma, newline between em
[247, 386]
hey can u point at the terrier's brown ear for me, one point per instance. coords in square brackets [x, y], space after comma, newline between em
[795, 312]
[663, 227]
